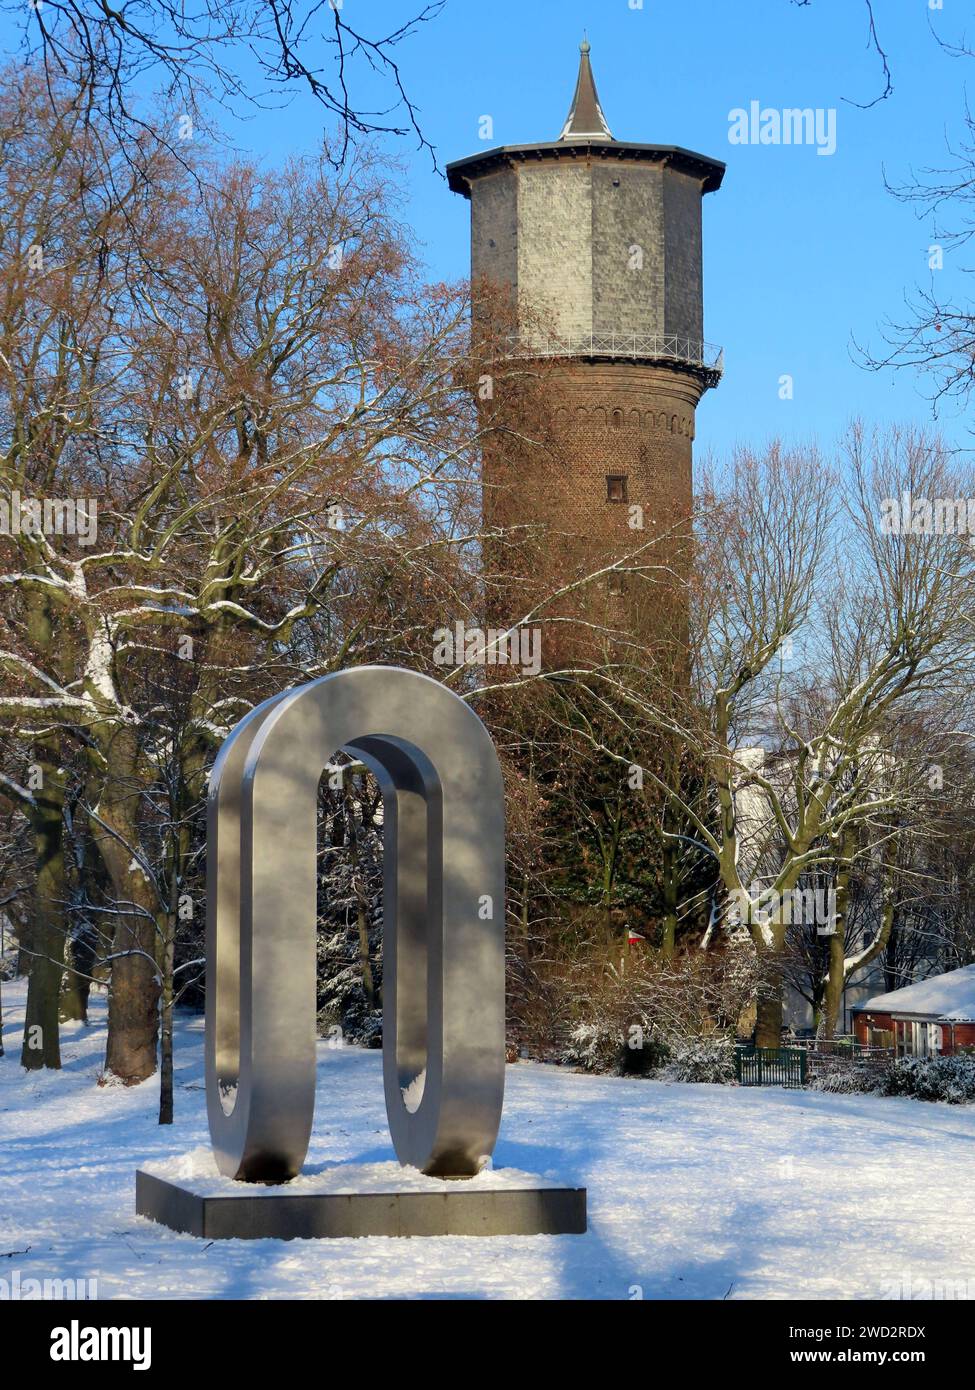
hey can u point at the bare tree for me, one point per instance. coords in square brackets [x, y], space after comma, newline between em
[274, 413]
[202, 56]
[799, 571]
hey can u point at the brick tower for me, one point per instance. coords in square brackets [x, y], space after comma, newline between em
[597, 244]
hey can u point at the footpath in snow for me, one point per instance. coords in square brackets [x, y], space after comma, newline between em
[694, 1191]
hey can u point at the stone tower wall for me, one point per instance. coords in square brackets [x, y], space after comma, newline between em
[593, 245]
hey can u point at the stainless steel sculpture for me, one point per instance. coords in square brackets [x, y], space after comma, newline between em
[443, 922]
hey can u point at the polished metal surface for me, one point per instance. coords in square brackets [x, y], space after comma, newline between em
[443, 922]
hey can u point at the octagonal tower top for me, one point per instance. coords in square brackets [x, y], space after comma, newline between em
[598, 239]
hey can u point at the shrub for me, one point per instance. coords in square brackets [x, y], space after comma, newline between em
[603, 1046]
[645, 1052]
[950, 1079]
[846, 1078]
[704, 1059]
[593, 1047]
[579, 1002]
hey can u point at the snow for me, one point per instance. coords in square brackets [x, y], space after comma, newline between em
[950, 996]
[694, 1191]
[413, 1093]
[198, 1171]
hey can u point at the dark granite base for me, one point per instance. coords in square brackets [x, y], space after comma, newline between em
[548, 1211]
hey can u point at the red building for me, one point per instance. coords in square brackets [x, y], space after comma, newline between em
[935, 1017]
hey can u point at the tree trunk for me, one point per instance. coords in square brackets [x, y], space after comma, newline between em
[133, 1000]
[76, 989]
[133, 997]
[838, 969]
[42, 1043]
[22, 967]
[768, 1016]
[88, 937]
[768, 1001]
[166, 1029]
[362, 920]
[835, 980]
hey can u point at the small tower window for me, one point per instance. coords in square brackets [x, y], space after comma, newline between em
[616, 487]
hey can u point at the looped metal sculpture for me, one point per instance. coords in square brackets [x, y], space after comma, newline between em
[443, 922]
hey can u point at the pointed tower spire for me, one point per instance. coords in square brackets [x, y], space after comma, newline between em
[585, 120]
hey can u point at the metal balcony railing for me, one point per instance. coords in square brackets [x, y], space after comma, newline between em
[648, 347]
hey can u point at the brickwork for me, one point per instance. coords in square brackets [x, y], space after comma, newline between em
[956, 1037]
[593, 236]
[609, 420]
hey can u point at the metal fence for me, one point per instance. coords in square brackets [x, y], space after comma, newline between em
[668, 347]
[846, 1047]
[866, 1062]
[770, 1066]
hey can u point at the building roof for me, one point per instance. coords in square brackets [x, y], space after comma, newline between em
[585, 135]
[461, 171]
[585, 119]
[950, 996]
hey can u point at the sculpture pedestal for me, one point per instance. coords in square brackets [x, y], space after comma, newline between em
[520, 1205]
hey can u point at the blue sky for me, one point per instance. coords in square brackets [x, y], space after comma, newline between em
[803, 253]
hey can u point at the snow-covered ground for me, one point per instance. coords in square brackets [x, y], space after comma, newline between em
[694, 1191]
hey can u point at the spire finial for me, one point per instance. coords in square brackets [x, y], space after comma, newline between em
[585, 120]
